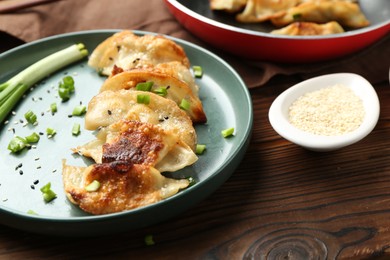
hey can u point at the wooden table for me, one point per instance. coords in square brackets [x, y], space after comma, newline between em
[283, 202]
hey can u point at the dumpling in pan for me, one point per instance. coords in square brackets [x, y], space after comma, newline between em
[139, 143]
[262, 10]
[230, 6]
[123, 186]
[109, 107]
[127, 50]
[345, 13]
[162, 83]
[307, 28]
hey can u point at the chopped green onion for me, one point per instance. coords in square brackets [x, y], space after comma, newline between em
[33, 138]
[297, 16]
[227, 132]
[198, 71]
[93, 186]
[143, 99]
[144, 86]
[79, 110]
[64, 93]
[48, 193]
[13, 90]
[66, 88]
[76, 129]
[192, 181]
[200, 148]
[17, 144]
[149, 240]
[30, 117]
[50, 132]
[161, 91]
[68, 82]
[32, 212]
[53, 108]
[185, 104]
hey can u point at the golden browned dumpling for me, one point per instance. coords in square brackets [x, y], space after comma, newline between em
[230, 6]
[139, 143]
[167, 85]
[345, 13]
[109, 107]
[262, 10]
[120, 186]
[306, 28]
[127, 50]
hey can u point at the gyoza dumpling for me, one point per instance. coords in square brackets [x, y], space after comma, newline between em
[123, 186]
[345, 13]
[127, 50]
[109, 107]
[230, 6]
[307, 28]
[262, 10]
[139, 143]
[173, 88]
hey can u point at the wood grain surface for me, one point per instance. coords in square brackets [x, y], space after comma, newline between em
[283, 202]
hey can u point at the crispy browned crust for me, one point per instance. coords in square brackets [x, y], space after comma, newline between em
[123, 186]
[137, 142]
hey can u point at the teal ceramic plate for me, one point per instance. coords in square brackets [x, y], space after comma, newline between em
[226, 101]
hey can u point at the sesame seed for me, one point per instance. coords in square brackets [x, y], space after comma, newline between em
[333, 110]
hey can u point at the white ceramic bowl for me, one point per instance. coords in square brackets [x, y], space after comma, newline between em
[279, 118]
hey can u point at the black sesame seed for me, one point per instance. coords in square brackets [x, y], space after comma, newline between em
[20, 172]
[18, 166]
[36, 182]
[109, 112]
[69, 116]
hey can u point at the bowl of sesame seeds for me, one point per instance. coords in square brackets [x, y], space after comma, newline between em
[326, 113]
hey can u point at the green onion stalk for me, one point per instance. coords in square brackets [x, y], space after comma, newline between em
[12, 90]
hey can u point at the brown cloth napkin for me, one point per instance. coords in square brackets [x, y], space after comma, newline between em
[77, 15]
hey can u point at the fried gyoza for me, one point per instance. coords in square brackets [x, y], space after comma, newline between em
[123, 186]
[109, 107]
[230, 6]
[175, 89]
[262, 10]
[345, 13]
[139, 143]
[306, 28]
[127, 50]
